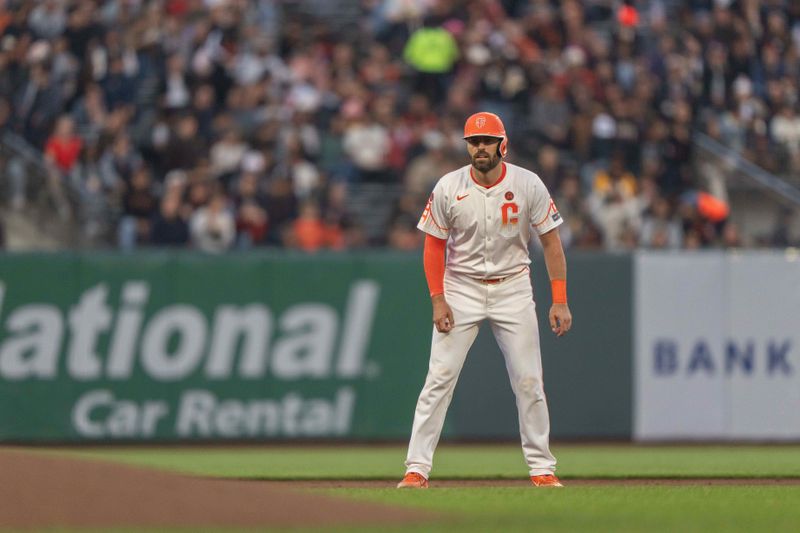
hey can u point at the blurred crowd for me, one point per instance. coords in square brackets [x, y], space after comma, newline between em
[221, 124]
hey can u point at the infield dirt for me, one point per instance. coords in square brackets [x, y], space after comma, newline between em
[41, 490]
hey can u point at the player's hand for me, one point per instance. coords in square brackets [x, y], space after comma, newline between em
[560, 319]
[442, 314]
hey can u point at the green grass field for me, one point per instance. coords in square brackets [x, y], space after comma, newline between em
[464, 462]
[473, 509]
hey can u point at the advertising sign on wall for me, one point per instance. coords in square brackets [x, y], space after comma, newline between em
[176, 346]
[717, 346]
[190, 347]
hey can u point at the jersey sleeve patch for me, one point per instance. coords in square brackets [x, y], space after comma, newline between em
[551, 219]
[429, 222]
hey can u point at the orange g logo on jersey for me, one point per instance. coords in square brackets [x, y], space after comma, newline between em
[507, 210]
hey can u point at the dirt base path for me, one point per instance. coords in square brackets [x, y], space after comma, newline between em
[464, 483]
[40, 490]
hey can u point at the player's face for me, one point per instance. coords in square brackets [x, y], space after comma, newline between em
[483, 152]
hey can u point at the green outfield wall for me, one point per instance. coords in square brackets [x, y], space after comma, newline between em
[169, 346]
[587, 373]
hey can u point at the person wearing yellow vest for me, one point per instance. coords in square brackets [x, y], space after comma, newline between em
[432, 52]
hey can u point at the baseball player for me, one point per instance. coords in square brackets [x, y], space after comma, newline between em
[482, 215]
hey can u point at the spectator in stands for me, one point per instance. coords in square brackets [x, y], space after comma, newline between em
[616, 178]
[204, 109]
[699, 231]
[48, 19]
[282, 208]
[785, 128]
[226, 155]
[305, 176]
[550, 115]
[424, 170]
[345, 232]
[189, 90]
[659, 228]
[251, 224]
[367, 144]
[571, 203]
[175, 89]
[119, 161]
[39, 100]
[730, 235]
[403, 232]
[781, 232]
[90, 113]
[139, 205]
[98, 199]
[62, 154]
[117, 84]
[618, 218]
[548, 166]
[198, 189]
[183, 149]
[308, 232]
[12, 166]
[212, 226]
[252, 220]
[169, 228]
[432, 51]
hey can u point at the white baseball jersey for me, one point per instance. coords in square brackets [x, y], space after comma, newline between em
[488, 228]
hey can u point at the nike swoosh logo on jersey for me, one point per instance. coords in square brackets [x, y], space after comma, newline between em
[459, 198]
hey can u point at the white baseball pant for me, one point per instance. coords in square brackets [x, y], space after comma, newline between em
[511, 311]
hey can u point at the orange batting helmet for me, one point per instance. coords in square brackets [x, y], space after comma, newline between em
[485, 124]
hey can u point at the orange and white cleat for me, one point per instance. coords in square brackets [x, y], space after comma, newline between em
[547, 480]
[413, 480]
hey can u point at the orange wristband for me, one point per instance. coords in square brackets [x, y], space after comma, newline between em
[558, 288]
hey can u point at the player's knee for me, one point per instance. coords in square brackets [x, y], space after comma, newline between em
[531, 386]
[442, 374]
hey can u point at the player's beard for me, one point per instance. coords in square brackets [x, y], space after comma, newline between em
[485, 165]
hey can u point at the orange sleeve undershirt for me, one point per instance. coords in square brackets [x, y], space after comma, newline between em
[433, 263]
